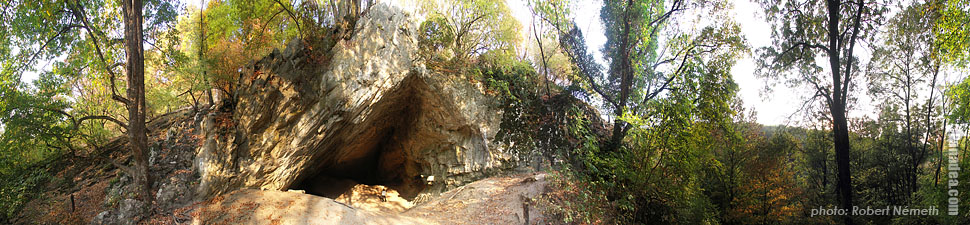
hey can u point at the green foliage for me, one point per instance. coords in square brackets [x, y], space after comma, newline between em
[581, 196]
[953, 41]
[34, 128]
[19, 187]
[960, 95]
[475, 27]
[816, 168]
[26, 125]
[236, 33]
[77, 39]
[572, 44]
[952, 30]
[937, 194]
[647, 68]
[668, 106]
[514, 83]
[436, 35]
[655, 178]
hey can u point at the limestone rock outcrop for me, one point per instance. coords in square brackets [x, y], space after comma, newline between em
[367, 111]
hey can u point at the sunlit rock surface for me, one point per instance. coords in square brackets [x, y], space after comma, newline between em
[368, 112]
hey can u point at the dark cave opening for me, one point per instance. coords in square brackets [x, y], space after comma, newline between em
[378, 154]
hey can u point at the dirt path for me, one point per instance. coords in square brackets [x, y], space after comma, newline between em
[498, 200]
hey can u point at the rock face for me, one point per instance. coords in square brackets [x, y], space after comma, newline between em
[368, 111]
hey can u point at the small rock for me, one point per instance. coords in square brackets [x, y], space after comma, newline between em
[101, 218]
[173, 193]
[292, 47]
[130, 211]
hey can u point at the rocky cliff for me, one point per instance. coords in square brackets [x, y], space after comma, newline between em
[366, 112]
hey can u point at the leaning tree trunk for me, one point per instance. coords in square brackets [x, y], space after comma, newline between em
[136, 95]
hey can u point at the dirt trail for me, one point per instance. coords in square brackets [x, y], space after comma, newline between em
[497, 200]
[367, 197]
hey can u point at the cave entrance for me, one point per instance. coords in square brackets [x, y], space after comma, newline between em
[384, 150]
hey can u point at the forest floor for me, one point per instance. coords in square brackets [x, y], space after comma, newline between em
[497, 200]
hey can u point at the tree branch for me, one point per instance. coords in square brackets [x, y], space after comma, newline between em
[808, 101]
[818, 87]
[79, 12]
[49, 40]
[108, 118]
[578, 55]
[460, 31]
[677, 6]
[800, 44]
[848, 65]
[292, 16]
[683, 63]
[77, 122]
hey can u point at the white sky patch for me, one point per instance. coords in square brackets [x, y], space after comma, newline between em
[774, 107]
[588, 20]
[39, 67]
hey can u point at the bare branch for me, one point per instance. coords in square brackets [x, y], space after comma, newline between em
[848, 70]
[808, 101]
[77, 122]
[818, 87]
[800, 44]
[683, 65]
[49, 40]
[108, 118]
[292, 16]
[79, 12]
[677, 6]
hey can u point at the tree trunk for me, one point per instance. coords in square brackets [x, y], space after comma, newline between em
[837, 108]
[844, 181]
[914, 156]
[626, 81]
[929, 114]
[202, 48]
[542, 53]
[136, 94]
[939, 163]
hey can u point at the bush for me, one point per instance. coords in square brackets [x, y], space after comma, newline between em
[19, 187]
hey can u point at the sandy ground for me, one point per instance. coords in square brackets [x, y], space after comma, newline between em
[497, 200]
[366, 197]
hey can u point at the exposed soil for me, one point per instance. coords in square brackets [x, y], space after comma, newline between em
[497, 200]
[374, 198]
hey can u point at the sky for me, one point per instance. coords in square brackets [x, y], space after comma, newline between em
[774, 107]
